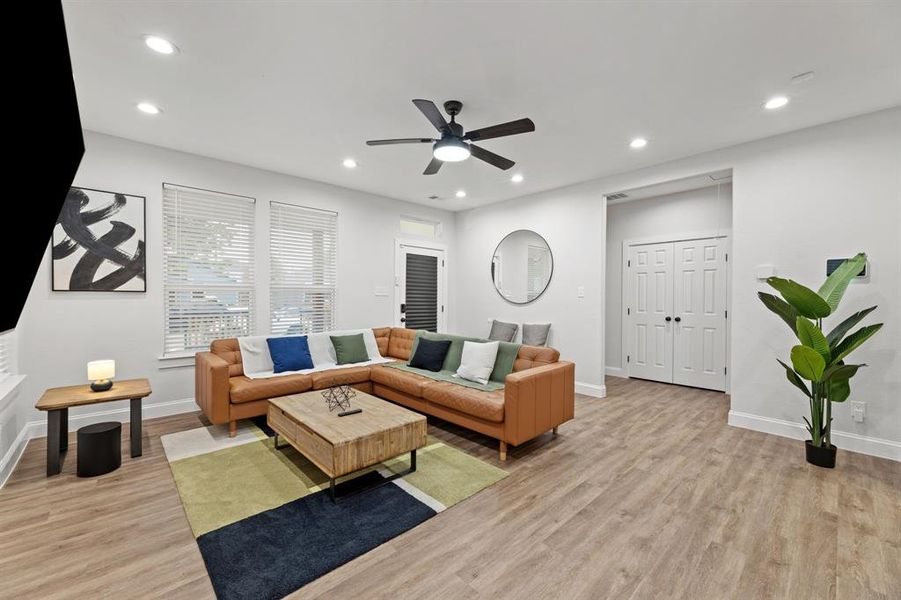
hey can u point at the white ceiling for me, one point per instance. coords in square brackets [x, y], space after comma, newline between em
[297, 87]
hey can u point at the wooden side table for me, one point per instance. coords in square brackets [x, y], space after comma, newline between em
[57, 402]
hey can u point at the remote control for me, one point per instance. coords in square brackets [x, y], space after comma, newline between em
[352, 411]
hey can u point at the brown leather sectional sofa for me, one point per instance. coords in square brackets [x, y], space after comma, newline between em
[537, 396]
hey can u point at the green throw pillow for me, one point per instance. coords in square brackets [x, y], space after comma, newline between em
[349, 348]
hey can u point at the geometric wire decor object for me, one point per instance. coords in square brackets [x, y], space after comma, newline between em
[338, 397]
[98, 243]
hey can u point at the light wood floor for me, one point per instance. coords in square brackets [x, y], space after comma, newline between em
[647, 494]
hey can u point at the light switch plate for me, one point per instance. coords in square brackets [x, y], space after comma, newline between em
[765, 271]
[381, 291]
[580, 291]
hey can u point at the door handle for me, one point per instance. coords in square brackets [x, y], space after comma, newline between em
[678, 319]
[403, 319]
[403, 308]
[668, 319]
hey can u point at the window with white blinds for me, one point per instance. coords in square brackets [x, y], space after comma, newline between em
[6, 355]
[303, 248]
[208, 267]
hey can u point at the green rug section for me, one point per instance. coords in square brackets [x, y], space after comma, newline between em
[503, 364]
[224, 486]
[449, 377]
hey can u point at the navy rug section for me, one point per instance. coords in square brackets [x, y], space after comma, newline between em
[273, 553]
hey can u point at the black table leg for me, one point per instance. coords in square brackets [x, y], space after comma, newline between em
[331, 489]
[64, 429]
[135, 423]
[57, 422]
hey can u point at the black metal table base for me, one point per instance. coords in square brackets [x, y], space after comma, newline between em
[58, 435]
[332, 485]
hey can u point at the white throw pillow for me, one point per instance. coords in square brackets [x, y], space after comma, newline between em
[255, 354]
[477, 362]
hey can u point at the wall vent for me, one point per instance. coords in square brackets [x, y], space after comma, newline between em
[617, 196]
[434, 197]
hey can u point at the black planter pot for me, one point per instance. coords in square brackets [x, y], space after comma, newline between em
[821, 456]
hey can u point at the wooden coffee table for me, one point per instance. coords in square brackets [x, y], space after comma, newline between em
[342, 445]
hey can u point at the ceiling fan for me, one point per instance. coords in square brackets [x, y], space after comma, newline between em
[454, 146]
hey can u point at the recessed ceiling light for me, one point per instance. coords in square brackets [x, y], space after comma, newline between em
[776, 102]
[350, 163]
[158, 44]
[150, 109]
[460, 194]
[638, 143]
[517, 178]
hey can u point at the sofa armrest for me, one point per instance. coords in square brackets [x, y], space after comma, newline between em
[211, 386]
[537, 400]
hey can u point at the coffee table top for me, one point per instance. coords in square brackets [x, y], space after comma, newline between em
[78, 395]
[310, 409]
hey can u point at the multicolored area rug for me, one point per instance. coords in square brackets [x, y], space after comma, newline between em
[264, 521]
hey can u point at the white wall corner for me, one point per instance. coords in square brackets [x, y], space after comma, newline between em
[616, 372]
[591, 389]
[851, 442]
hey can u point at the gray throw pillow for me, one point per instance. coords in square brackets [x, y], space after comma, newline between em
[502, 332]
[535, 334]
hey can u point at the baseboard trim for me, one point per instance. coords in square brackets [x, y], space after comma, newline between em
[616, 372]
[591, 389]
[13, 454]
[852, 442]
[38, 429]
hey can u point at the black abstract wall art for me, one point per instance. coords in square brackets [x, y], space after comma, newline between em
[98, 243]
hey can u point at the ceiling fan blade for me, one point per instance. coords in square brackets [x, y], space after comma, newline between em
[431, 112]
[491, 158]
[399, 141]
[504, 129]
[433, 167]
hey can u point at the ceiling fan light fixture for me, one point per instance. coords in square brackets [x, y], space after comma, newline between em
[451, 150]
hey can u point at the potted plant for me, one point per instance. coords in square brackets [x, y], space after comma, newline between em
[818, 365]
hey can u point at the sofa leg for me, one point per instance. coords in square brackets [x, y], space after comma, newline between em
[555, 431]
[503, 450]
[232, 428]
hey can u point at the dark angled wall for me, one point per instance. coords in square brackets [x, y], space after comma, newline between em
[44, 142]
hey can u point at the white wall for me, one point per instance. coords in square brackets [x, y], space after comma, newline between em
[707, 209]
[798, 199]
[60, 331]
[572, 221]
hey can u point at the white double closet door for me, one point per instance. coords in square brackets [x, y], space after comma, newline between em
[676, 314]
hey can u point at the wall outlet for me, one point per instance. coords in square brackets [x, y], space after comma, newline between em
[858, 411]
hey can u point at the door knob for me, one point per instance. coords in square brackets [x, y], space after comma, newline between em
[403, 319]
[668, 319]
[678, 319]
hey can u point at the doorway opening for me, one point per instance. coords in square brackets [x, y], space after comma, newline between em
[668, 282]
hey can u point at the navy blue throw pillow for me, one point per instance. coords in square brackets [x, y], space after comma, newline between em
[430, 354]
[290, 353]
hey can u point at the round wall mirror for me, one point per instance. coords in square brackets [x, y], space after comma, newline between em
[521, 266]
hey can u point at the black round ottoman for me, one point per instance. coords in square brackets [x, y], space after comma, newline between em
[99, 448]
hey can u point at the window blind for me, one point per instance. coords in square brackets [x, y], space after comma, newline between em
[422, 292]
[303, 248]
[6, 355]
[208, 266]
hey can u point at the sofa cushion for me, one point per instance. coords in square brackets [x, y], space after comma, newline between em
[430, 354]
[333, 377]
[483, 405]
[535, 334]
[477, 362]
[533, 356]
[502, 332]
[400, 343]
[230, 351]
[350, 349]
[290, 353]
[402, 381]
[244, 389]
